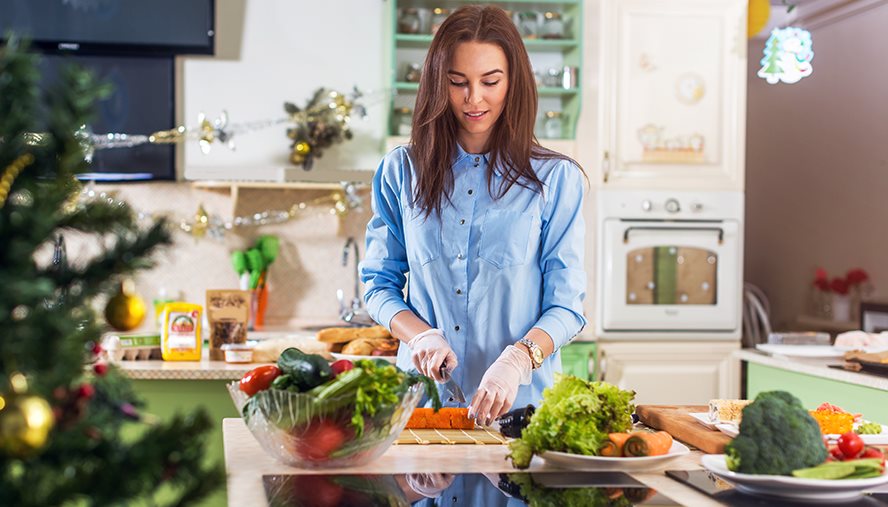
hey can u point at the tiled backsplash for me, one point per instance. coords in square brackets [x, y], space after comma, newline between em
[302, 281]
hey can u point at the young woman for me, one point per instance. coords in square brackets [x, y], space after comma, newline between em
[487, 223]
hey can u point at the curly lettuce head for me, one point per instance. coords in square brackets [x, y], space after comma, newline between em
[576, 415]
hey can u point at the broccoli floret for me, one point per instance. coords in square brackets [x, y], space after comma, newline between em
[777, 436]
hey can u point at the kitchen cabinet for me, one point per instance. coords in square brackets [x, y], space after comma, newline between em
[553, 37]
[672, 94]
[670, 372]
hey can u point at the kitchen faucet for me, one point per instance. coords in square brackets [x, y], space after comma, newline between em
[356, 315]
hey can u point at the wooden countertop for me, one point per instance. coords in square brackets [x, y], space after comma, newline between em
[246, 463]
[813, 366]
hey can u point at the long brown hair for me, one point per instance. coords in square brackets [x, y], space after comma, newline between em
[434, 136]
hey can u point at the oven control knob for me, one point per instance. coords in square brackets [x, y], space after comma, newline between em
[697, 207]
[646, 205]
[672, 206]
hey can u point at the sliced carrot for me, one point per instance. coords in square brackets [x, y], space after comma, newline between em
[418, 419]
[646, 443]
[613, 447]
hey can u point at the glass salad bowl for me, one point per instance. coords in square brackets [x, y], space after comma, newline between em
[318, 429]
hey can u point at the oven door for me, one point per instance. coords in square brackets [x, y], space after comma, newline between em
[670, 276]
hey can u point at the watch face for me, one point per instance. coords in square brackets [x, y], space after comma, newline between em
[537, 356]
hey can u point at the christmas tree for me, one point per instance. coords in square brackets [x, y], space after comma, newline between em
[770, 62]
[70, 426]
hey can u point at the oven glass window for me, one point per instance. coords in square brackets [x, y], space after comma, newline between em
[671, 275]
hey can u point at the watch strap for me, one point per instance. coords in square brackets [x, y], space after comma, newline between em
[536, 353]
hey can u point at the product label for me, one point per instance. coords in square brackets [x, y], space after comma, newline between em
[182, 329]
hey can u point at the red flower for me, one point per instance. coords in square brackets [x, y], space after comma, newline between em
[839, 286]
[820, 274]
[822, 284]
[856, 276]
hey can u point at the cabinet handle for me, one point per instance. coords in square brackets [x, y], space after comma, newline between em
[605, 166]
[719, 230]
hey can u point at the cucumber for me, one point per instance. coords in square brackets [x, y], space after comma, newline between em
[829, 471]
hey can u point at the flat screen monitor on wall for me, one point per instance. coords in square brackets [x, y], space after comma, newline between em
[141, 102]
[113, 26]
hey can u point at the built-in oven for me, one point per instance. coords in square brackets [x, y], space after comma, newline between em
[669, 264]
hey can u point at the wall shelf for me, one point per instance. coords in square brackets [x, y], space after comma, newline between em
[404, 40]
[545, 91]
[546, 55]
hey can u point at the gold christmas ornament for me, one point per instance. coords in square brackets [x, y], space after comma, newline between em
[758, 13]
[125, 310]
[201, 222]
[296, 158]
[302, 148]
[25, 420]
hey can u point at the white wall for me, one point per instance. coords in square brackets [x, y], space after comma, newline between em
[817, 165]
[272, 51]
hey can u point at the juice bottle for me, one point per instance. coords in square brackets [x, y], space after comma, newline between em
[180, 334]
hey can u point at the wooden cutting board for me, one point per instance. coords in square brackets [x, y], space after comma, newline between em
[450, 437]
[675, 420]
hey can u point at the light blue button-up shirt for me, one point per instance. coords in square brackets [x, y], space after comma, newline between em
[487, 270]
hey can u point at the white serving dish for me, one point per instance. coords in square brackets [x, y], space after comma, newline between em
[791, 488]
[582, 462]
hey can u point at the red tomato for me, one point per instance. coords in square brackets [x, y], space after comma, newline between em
[341, 366]
[836, 453]
[850, 444]
[872, 452]
[319, 439]
[258, 379]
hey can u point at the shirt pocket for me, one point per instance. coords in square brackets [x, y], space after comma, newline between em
[422, 236]
[505, 237]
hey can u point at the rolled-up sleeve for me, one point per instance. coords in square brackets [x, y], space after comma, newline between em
[562, 256]
[385, 262]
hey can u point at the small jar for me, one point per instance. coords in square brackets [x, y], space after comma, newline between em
[553, 126]
[413, 73]
[553, 77]
[409, 21]
[402, 121]
[528, 24]
[553, 26]
[438, 16]
[238, 353]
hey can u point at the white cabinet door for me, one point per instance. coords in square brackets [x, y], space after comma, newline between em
[667, 373]
[673, 93]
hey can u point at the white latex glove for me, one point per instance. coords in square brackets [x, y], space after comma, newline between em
[429, 485]
[429, 350]
[499, 385]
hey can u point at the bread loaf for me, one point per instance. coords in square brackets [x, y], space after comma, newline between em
[347, 334]
[371, 346]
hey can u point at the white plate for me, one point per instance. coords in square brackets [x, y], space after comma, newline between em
[788, 487]
[703, 418]
[581, 462]
[729, 429]
[880, 439]
[351, 357]
[802, 350]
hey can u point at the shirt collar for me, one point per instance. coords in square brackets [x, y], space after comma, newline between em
[462, 154]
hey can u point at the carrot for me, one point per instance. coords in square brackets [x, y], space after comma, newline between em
[446, 418]
[418, 418]
[613, 446]
[459, 418]
[645, 443]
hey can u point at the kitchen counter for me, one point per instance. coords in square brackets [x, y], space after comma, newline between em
[814, 366]
[813, 382]
[246, 463]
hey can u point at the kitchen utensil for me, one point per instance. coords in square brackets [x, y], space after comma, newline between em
[456, 394]
[512, 423]
[582, 462]
[792, 488]
[676, 420]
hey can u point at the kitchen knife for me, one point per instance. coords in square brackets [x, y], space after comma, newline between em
[452, 387]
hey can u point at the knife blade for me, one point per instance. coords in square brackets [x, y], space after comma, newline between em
[452, 387]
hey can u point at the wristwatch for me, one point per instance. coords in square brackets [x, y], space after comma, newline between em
[536, 353]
